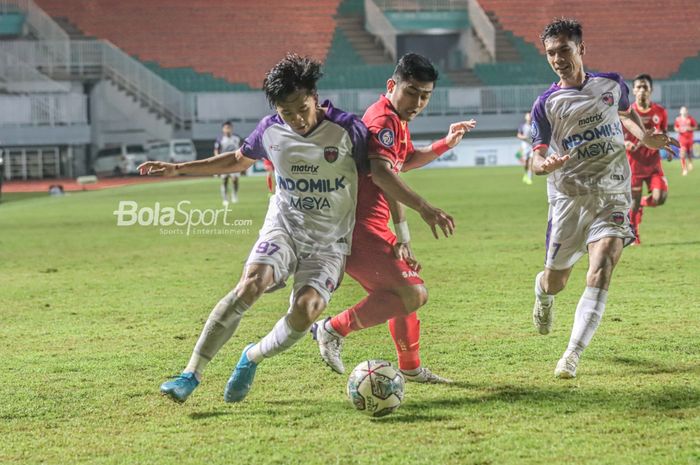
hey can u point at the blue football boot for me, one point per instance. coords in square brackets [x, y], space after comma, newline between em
[180, 388]
[241, 379]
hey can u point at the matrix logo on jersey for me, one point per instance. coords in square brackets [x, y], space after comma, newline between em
[608, 99]
[386, 137]
[597, 118]
[603, 131]
[330, 154]
[303, 168]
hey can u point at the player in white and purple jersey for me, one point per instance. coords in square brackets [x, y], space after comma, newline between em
[579, 122]
[316, 150]
[228, 142]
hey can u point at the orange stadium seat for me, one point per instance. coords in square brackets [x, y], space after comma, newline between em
[657, 38]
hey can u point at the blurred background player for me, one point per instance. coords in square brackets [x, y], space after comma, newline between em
[588, 186]
[383, 263]
[645, 162]
[228, 142]
[307, 231]
[524, 134]
[685, 125]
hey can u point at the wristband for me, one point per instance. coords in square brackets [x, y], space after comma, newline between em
[440, 147]
[403, 236]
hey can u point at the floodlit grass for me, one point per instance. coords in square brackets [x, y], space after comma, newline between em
[94, 317]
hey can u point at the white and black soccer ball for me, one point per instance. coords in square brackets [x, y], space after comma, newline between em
[375, 388]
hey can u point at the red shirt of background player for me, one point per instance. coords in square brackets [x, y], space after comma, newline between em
[643, 160]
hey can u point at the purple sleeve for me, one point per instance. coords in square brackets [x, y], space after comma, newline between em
[541, 128]
[253, 146]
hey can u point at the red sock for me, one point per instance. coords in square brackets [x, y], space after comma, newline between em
[405, 330]
[375, 309]
[648, 201]
[269, 183]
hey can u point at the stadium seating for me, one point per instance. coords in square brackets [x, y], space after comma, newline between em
[656, 39]
[11, 24]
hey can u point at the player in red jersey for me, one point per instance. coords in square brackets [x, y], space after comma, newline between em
[382, 262]
[685, 125]
[646, 162]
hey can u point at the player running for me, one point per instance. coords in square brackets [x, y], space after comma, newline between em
[685, 125]
[645, 162]
[382, 262]
[580, 118]
[307, 231]
[524, 134]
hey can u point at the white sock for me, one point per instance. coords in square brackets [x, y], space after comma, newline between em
[220, 326]
[281, 338]
[546, 299]
[589, 312]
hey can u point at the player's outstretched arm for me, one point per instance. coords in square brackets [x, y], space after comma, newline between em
[633, 123]
[545, 164]
[394, 187]
[228, 162]
[424, 155]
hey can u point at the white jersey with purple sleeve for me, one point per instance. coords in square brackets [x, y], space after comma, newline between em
[316, 192]
[227, 143]
[584, 123]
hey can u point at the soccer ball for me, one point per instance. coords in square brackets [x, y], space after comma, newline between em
[375, 388]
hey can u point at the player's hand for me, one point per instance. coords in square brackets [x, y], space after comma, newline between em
[157, 168]
[402, 251]
[438, 218]
[659, 141]
[553, 162]
[457, 132]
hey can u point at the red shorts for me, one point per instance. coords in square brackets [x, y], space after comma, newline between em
[654, 181]
[686, 144]
[373, 264]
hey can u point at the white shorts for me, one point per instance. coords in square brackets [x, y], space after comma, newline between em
[322, 271]
[575, 222]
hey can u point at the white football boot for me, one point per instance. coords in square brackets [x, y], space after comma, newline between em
[330, 344]
[566, 367]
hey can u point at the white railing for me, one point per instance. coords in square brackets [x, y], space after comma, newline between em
[483, 27]
[421, 5]
[97, 57]
[40, 24]
[378, 25]
[17, 76]
[43, 110]
[214, 107]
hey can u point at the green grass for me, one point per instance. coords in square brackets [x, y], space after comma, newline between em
[94, 317]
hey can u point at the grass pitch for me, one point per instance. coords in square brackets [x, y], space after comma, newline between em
[94, 317]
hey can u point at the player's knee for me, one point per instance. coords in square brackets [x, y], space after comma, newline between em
[414, 297]
[307, 307]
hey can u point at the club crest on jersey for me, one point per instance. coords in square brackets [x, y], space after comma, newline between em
[330, 154]
[386, 137]
[618, 218]
[656, 119]
[608, 99]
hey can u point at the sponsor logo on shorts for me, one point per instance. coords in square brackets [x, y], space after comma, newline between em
[330, 154]
[618, 218]
[386, 137]
[608, 99]
[410, 274]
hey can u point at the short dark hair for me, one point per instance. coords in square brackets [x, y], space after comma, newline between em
[414, 66]
[645, 77]
[226, 123]
[566, 26]
[291, 74]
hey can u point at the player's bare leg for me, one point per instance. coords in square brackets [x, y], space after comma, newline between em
[548, 283]
[603, 256]
[224, 190]
[636, 212]
[684, 163]
[234, 189]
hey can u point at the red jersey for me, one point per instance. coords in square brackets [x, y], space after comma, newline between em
[643, 160]
[684, 127]
[390, 140]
